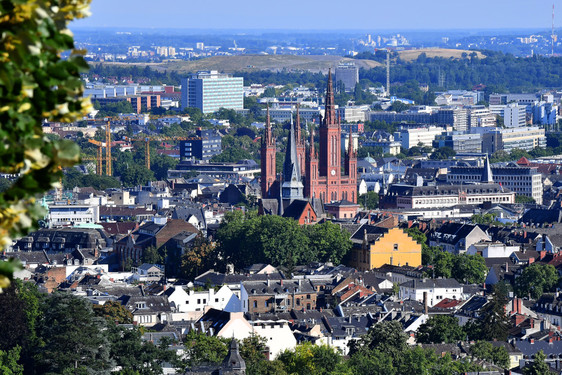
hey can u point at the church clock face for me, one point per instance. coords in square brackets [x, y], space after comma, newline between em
[333, 172]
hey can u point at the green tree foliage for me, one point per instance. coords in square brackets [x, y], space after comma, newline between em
[464, 267]
[498, 355]
[73, 337]
[440, 328]
[398, 106]
[493, 323]
[18, 318]
[253, 349]
[136, 175]
[486, 219]
[231, 155]
[535, 280]
[9, 362]
[469, 268]
[113, 108]
[364, 151]
[201, 348]
[383, 350]
[369, 201]
[247, 239]
[386, 337]
[524, 199]
[200, 257]
[308, 358]
[327, 242]
[36, 83]
[237, 148]
[539, 365]
[152, 255]
[74, 178]
[136, 356]
[114, 312]
[443, 153]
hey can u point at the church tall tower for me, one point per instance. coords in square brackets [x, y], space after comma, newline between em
[292, 187]
[268, 150]
[330, 145]
[311, 168]
[351, 164]
[301, 147]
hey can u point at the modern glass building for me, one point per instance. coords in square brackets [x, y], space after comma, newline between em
[210, 91]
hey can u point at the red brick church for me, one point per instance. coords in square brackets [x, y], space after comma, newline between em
[306, 173]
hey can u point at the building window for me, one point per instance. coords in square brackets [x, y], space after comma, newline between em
[255, 304]
[395, 247]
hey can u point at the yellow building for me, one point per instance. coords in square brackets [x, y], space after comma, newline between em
[380, 246]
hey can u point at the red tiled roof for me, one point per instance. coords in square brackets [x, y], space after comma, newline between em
[447, 303]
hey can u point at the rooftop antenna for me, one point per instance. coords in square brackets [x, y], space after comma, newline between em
[388, 71]
[552, 36]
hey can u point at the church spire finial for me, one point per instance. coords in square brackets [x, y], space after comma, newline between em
[268, 136]
[350, 148]
[330, 110]
[298, 129]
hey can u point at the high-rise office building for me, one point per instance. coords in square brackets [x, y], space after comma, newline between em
[348, 75]
[203, 147]
[210, 91]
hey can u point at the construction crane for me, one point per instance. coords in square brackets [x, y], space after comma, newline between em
[158, 138]
[108, 163]
[99, 154]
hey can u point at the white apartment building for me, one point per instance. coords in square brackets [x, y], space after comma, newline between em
[514, 115]
[72, 214]
[435, 290]
[432, 197]
[192, 301]
[520, 180]
[414, 137]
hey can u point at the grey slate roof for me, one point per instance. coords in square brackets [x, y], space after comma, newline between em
[432, 283]
[274, 287]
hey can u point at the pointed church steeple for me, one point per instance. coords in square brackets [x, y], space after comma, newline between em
[330, 108]
[487, 177]
[298, 128]
[267, 159]
[292, 185]
[268, 137]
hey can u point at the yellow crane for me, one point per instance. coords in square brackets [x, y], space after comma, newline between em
[99, 155]
[158, 138]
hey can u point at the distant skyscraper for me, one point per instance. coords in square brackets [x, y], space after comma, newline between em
[210, 91]
[348, 74]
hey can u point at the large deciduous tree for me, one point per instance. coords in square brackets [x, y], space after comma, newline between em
[73, 337]
[535, 280]
[440, 328]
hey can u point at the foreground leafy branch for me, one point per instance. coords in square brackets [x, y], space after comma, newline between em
[36, 83]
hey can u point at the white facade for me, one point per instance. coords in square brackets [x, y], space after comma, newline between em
[67, 215]
[492, 250]
[414, 290]
[191, 301]
[514, 115]
[277, 334]
[414, 137]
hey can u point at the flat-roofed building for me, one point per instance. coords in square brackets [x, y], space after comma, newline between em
[210, 91]
[348, 75]
[421, 197]
[418, 136]
[520, 180]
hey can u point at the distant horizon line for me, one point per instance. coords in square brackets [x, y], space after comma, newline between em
[290, 30]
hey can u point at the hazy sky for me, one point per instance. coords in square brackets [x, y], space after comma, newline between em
[327, 14]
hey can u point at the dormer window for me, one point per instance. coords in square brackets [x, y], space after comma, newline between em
[140, 305]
